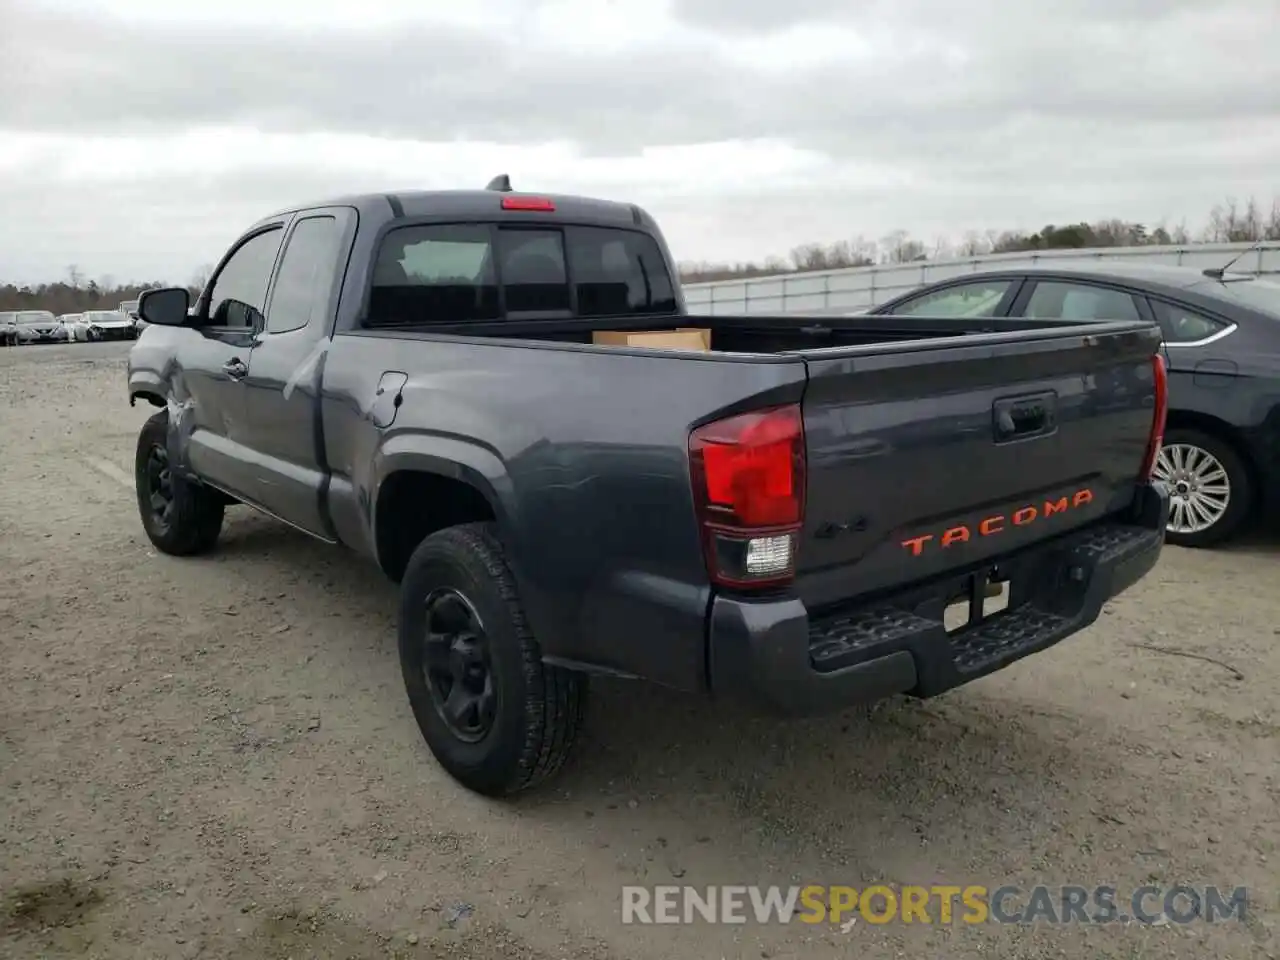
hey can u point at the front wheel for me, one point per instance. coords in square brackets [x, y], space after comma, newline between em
[180, 518]
[495, 716]
[1211, 492]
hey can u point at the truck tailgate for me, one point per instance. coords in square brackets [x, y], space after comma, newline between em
[927, 457]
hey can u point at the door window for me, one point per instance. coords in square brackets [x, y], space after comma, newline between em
[1183, 327]
[977, 298]
[240, 289]
[1062, 300]
[306, 274]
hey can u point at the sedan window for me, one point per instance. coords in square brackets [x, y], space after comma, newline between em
[1183, 326]
[1061, 300]
[978, 298]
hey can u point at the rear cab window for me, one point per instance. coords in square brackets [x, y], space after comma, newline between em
[452, 273]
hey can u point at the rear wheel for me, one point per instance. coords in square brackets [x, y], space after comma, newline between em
[495, 716]
[180, 517]
[1210, 487]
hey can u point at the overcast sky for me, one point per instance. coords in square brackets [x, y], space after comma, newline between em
[138, 137]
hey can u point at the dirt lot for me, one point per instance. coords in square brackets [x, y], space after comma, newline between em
[216, 758]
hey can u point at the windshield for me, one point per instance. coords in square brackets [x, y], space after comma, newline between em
[104, 316]
[1261, 295]
[36, 316]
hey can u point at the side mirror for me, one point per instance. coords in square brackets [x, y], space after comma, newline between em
[166, 307]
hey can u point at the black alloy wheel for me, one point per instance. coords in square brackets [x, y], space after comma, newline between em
[456, 665]
[159, 486]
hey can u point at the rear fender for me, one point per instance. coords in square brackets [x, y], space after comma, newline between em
[447, 457]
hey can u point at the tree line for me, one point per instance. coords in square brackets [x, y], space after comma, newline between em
[1228, 222]
[75, 293]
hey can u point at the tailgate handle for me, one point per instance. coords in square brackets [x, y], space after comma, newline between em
[1018, 418]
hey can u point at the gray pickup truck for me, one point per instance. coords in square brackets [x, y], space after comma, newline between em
[804, 513]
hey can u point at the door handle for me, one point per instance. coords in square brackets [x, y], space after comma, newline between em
[235, 368]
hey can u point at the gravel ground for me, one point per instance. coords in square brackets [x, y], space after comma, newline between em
[215, 757]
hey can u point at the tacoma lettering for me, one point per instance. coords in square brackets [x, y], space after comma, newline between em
[998, 523]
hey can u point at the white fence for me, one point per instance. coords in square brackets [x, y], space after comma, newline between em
[860, 288]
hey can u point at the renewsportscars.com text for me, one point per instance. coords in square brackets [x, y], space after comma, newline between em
[974, 904]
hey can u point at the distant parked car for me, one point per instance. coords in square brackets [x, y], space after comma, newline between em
[108, 325]
[1221, 453]
[8, 330]
[130, 309]
[39, 326]
[72, 323]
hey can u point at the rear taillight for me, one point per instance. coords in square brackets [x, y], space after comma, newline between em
[748, 489]
[1160, 414]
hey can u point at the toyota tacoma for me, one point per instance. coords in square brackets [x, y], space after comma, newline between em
[500, 398]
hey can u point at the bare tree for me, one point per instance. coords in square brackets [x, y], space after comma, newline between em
[973, 245]
[1228, 223]
[200, 278]
[1272, 229]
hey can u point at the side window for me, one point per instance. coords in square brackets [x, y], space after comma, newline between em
[976, 299]
[1183, 326]
[305, 275]
[241, 286]
[1060, 300]
[434, 274]
[532, 270]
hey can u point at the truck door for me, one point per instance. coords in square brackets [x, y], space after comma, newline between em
[281, 428]
[215, 363]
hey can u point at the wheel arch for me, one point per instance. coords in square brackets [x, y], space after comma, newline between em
[1222, 430]
[436, 481]
[151, 396]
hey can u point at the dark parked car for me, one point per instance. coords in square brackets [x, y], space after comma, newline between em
[1221, 454]
[799, 518]
[40, 326]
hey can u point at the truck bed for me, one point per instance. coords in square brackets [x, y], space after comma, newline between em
[899, 430]
[746, 333]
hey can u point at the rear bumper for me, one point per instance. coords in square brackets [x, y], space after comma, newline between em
[775, 656]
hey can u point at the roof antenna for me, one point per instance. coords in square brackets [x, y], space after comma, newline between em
[501, 183]
[1219, 273]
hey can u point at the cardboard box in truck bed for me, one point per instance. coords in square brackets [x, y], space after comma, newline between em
[684, 338]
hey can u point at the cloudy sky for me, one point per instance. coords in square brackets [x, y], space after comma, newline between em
[138, 137]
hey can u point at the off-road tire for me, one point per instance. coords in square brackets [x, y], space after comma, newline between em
[196, 518]
[540, 708]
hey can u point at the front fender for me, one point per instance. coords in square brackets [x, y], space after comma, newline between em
[148, 385]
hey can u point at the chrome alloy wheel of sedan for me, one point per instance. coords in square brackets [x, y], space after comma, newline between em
[1200, 490]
